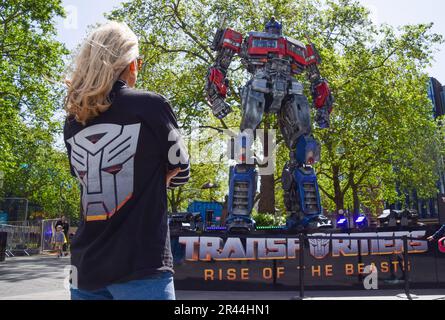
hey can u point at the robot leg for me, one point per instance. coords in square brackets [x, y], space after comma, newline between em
[242, 189]
[301, 192]
[302, 199]
[243, 176]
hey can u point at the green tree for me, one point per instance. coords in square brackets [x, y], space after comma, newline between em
[383, 123]
[30, 59]
[31, 64]
[41, 174]
[207, 169]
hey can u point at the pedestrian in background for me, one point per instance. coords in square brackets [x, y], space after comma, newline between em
[59, 241]
[66, 229]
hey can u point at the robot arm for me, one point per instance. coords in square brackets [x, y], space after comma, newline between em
[226, 43]
[321, 94]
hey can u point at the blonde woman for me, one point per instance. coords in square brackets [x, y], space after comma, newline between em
[118, 141]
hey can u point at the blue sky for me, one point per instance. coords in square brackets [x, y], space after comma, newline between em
[72, 30]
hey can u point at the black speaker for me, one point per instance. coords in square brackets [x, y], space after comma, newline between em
[441, 208]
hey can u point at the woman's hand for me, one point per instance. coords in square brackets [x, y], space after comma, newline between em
[430, 238]
[170, 175]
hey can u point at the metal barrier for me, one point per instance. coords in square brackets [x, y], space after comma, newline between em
[405, 239]
[23, 237]
[26, 237]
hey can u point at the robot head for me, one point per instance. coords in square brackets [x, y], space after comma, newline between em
[273, 26]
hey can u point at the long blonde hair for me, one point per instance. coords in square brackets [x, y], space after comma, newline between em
[102, 58]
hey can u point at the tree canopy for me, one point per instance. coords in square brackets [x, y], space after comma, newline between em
[383, 141]
[31, 64]
[383, 137]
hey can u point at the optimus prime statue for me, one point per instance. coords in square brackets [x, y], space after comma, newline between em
[273, 60]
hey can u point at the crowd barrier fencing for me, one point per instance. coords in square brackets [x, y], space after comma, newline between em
[28, 237]
[22, 237]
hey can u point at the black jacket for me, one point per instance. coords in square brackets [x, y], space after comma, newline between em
[121, 158]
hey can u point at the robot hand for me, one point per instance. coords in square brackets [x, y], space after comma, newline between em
[217, 90]
[323, 119]
[220, 108]
[323, 102]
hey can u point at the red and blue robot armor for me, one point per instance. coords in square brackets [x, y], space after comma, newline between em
[273, 60]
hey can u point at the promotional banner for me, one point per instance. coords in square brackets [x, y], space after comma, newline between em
[272, 261]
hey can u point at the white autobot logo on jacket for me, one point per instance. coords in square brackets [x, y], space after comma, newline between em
[103, 159]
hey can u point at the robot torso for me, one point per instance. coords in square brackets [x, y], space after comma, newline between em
[260, 50]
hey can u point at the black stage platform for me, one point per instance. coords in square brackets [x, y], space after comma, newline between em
[270, 260]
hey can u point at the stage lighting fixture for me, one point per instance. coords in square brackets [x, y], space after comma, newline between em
[342, 222]
[361, 221]
[216, 228]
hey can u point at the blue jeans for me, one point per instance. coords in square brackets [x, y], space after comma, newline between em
[159, 287]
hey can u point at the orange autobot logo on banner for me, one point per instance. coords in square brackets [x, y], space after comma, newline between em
[234, 249]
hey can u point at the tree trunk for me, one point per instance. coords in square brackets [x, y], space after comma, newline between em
[339, 196]
[267, 200]
[173, 202]
[267, 188]
[356, 200]
[355, 197]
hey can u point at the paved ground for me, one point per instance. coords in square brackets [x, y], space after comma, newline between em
[42, 277]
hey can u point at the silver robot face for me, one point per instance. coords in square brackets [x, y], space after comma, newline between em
[103, 159]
